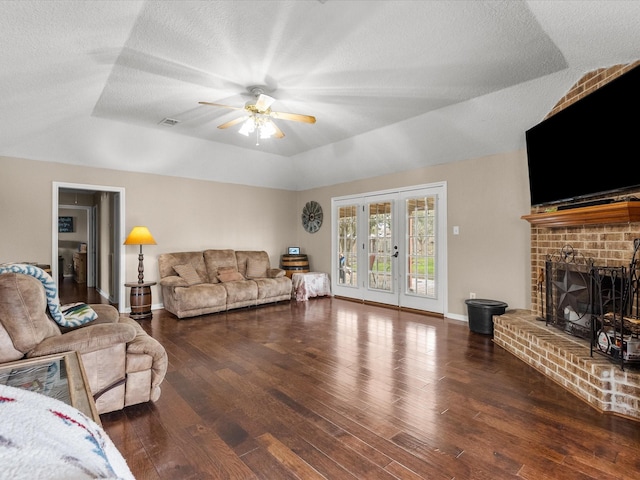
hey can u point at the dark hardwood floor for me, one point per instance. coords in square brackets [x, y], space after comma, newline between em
[335, 389]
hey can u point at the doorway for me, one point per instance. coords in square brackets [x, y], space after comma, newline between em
[391, 247]
[105, 225]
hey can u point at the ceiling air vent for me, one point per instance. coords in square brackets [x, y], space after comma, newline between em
[169, 122]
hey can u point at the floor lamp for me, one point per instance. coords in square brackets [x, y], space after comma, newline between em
[141, 291]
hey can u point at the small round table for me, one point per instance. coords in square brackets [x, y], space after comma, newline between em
[140, 300]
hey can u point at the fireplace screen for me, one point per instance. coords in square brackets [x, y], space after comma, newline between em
[616, 319]
[597, 303]
[569, 292]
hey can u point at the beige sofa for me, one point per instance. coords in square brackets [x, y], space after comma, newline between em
[210, 281]
[124, 365]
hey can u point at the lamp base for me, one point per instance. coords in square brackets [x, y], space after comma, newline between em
[140, 300]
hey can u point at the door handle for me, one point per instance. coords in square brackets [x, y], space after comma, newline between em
[395, 255]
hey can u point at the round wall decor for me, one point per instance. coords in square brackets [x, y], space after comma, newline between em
[312, 217]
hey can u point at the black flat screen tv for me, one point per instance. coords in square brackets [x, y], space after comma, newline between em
[590, 148]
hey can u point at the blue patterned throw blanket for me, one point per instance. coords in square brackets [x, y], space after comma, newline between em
[71, 315]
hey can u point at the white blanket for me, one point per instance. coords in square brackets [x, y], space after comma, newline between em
[43, 438]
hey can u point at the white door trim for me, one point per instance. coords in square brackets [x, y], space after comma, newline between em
[121, 226]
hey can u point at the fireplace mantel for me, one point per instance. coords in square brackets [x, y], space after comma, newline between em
[618, 212]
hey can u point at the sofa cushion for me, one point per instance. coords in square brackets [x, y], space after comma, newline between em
[188, 273]
[241, 294]
[197, 297]
[230, 276]
[166, 262]
[276, 273]
[23, 307]
[243, 258]
[218, 259]
[257, 268]
[173, 281]
[273, 287]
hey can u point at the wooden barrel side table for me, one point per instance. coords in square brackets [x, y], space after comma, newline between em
[140, 300]
[294, 264]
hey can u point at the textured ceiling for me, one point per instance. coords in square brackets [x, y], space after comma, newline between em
[403, 84]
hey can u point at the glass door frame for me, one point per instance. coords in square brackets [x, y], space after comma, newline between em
[357, 268]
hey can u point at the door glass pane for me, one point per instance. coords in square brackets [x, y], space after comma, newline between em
[380, 246]
[421, 246]
[348, 245]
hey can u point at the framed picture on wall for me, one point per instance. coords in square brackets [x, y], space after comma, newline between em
[65, 225]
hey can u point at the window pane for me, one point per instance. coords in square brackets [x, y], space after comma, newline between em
[421, 238]
[380, 247]
[347, 245]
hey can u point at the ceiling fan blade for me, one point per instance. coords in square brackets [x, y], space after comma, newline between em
[264, 102]
[233, 122]
[220, 105]
[279, 133]
[296, 117]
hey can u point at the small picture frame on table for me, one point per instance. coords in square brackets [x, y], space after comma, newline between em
[294, 250]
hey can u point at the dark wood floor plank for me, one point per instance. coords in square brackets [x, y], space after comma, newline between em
[266, 466]
[288, 458]
[336, 389]
[211, 448]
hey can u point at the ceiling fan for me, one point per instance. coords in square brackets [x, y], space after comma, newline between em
[259, 114]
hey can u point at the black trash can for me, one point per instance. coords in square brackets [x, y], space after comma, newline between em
[481, 312]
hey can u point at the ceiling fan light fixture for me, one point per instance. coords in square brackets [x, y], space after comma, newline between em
[247, 127]
[267, 130]
[260, 116]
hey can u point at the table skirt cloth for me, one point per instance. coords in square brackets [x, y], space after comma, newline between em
[310, 284]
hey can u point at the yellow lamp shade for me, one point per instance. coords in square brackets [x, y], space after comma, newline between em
[140, 236]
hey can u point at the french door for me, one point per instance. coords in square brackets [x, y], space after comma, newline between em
[391, 247]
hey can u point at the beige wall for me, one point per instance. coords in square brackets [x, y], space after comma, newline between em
[182, 214]
[486, 198]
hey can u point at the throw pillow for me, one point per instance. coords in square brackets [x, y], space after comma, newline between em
[188, 273]
[256, 268]
[232, 276]
[78, 313]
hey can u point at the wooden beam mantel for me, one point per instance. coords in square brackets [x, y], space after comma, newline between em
[618, 212]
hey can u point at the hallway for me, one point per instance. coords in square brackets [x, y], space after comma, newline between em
[70, 291]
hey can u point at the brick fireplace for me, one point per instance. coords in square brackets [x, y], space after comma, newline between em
[604, 234]
[564, 358]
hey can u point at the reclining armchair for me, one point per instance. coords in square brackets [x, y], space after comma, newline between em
[124, 365]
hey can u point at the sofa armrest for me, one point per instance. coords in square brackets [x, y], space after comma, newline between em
[85, 340]
[173, 281]
[276, 272]
[106, 313]
[147, 345]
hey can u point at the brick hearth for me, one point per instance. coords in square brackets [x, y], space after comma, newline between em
[566, 360]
